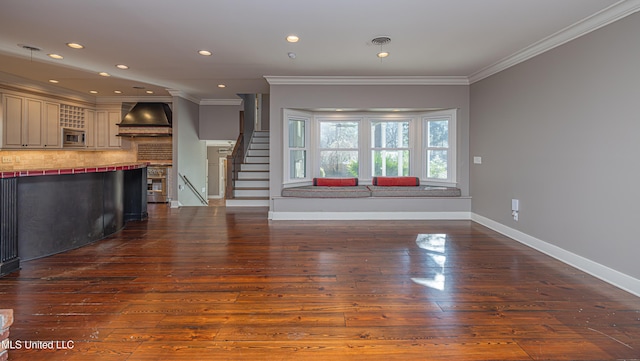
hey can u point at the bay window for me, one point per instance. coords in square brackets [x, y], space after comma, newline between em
[367, 144]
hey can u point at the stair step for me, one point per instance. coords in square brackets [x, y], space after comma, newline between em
[253, 174]
[258, 192]
[261, 160]
[252, 186]
[254, 167]
[258, 146]
[252, 183]
[258, 153]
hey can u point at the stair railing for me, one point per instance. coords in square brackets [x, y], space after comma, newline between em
[234, 161]
[193, 189]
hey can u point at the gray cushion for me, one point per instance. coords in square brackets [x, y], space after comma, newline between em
[327, 192]
[419, 191]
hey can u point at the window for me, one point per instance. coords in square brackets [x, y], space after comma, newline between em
[297, 151]
[297, 147]
[439, 146]
[338, 148]
[368, 144]
[390, 148]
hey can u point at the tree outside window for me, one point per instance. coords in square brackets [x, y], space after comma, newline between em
[437, 148]
[339, 148]
[390, 148]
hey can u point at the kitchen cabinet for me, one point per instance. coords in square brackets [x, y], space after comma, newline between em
[51, 125]
[107, 128]
[90, 128]
[29, 123]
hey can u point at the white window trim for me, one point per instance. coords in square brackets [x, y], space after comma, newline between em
[306, 117]
[450, 115]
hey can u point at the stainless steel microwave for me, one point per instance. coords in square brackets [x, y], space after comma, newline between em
[73, 137]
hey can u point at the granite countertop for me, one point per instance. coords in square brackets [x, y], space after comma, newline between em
[74, 170]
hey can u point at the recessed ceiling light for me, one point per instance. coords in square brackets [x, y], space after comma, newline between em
[383, 54]
[204, 52]
[122, 66]
[93, 91]
[75, 45]
[149, 92]
[118, 91]
[221, 86]
[292, 38]
[55, 56]
[104, 74]
[53, 81]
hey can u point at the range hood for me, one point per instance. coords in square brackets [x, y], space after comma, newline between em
[147, 120]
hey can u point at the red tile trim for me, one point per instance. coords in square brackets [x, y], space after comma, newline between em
[39, 172]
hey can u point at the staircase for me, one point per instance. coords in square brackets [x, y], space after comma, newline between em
[252, 186]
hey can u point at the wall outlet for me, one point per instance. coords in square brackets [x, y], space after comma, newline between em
[7, 159]
[204, 189]
[477, 160]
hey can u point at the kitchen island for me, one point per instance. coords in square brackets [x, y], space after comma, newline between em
[48, 211]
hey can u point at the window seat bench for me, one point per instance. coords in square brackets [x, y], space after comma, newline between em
[366, 191]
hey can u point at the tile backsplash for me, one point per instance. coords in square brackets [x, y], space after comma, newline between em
[46, 159]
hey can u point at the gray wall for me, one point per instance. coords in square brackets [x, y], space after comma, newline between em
[367, 96]
[561, 132]
[191, 152]
[219, 122]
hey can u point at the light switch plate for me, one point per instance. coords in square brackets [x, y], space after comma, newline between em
[477, 160]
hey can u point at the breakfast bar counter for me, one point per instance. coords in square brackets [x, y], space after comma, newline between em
[48, 211]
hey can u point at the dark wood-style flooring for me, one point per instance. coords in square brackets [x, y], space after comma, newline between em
[209, 283]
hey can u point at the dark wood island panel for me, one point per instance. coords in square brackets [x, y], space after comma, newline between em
[44, 212]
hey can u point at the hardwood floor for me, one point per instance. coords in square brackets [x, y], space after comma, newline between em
[209, 283]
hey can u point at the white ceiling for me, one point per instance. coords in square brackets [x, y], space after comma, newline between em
[159, 40]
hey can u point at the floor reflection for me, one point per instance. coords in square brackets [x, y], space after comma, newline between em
[435, 245]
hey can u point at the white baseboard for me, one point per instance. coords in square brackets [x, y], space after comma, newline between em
[364, 216]
[611, 276]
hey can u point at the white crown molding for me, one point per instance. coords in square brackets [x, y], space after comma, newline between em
[16, 83]
[133, 99]
[602, 18]
[181, 94]
[367, 80]
[220, 101]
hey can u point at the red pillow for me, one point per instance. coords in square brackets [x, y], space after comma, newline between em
[335, 182]
[396, 181]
